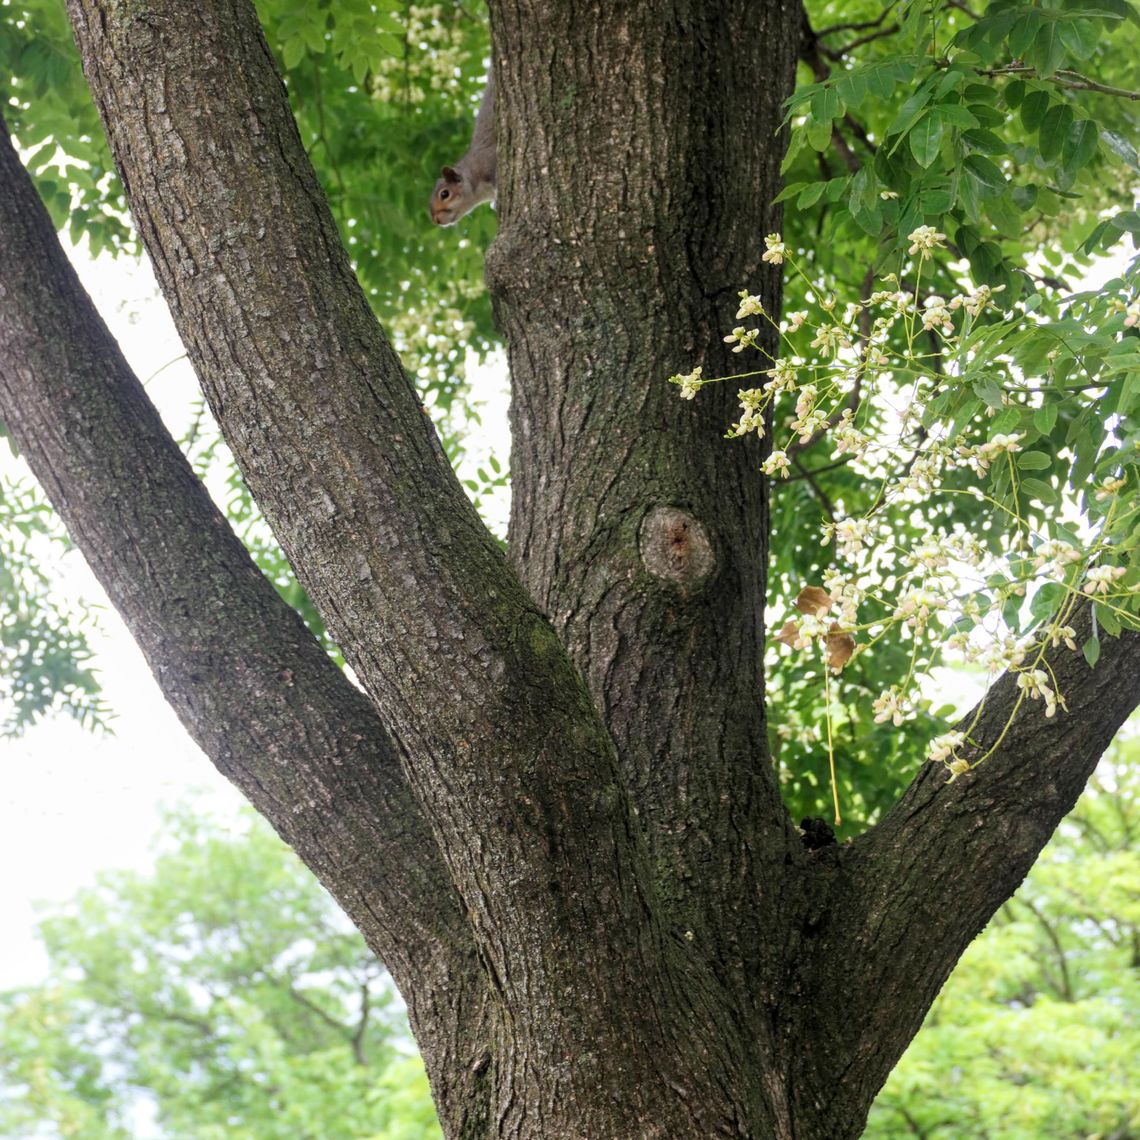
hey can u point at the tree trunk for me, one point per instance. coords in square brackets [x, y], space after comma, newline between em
[580, 873]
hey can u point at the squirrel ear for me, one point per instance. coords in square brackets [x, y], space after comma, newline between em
[450, 174]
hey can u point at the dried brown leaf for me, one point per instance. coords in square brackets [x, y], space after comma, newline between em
[788, 633]
[813, 600]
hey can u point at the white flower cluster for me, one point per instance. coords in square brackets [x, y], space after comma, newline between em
[753, 401]
[774, 251]
[1035, 683]
[750, 306]
[891, 705]
[690, 382]
[980, 456]
[871, 365]
[1102, 579]
[925, 240]
[741, 338]
[1053, 558]
[851, 535]
[776, 464]
[944, 746]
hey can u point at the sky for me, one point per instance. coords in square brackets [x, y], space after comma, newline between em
[73, 803]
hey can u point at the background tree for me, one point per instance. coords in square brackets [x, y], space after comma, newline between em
[222, 996]
[554, 816]
[1035, 1033]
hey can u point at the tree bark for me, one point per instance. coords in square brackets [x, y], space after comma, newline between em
[582, 875]
[504, 744]
[632, 213]
[249, 682]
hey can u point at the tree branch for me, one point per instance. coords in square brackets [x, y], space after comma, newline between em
[813, 483]
[246, 678]
[1073, 80]
[839, 52]
[362, 1024]
[1064, 984]
[862, 26]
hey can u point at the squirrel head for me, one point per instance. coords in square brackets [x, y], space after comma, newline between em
[450, 199]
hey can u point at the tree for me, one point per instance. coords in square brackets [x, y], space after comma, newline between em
[1035, 1034]
[224, 995]
[552, 812]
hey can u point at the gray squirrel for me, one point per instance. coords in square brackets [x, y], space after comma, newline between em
[472, 179]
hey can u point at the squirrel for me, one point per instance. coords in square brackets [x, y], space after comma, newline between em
[472, 179]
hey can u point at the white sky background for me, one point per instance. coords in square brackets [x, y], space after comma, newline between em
[73, 803]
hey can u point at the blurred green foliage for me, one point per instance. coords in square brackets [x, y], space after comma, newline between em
[45, 657]
[1036, 1036]
[221, 997]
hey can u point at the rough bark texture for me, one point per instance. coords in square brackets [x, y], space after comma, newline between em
[255, 690]
[581, 874]
[632, 213]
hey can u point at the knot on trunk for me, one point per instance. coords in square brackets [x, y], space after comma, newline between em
[675, 548]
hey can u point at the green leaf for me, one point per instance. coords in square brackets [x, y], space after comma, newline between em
[1121, 9]
[1128, 220]
[825, 105]
[1122, 148]
[910, 111]
[1014, 93]
[852, 89]
[1091, 650]
[926, 139]
[986, 115]
[985, 141]
[292, 52]
[1045, 602]
[1047, 52]
[1008, 220]
[1054, 130]
[969, 197]
[790, 191]
[811, 195]
[1023, 33]
[1004, 422]
[989, 390]
[1130, 392]
[955, 115]
[1033, 109]
[1039, 491]
[1108, 620]
[987, 173]
[1034, 461]
[1079, 37]
[1080, 145]
[1090, 243]
[935, 200]
[819, 135]
[1045, 417]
